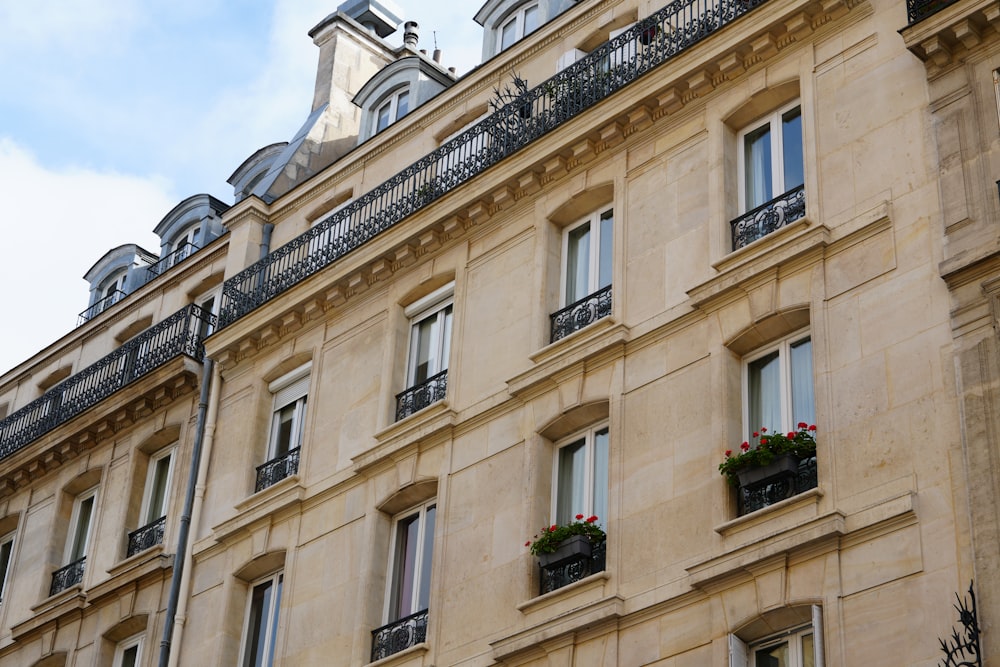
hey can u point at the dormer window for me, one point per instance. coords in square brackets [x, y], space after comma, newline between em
[392, 109]
[521, 22]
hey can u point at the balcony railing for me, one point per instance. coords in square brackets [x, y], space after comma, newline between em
[399, 635]
[418, 397]
[770, 490]
[177, 335]
[146, 537]
[535, 112]
[277, 469]
[565, 573]
[769, 216]
[174, 258]
[66, 576]
[918, 10]
[581, 313]
[100, 306]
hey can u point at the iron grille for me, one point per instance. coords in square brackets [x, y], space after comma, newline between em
[418, 397]
[581, 313]
[776, 488]
[918, 10]
[146, 537]
[399, 635]
[761, 221]
[100, 306]
[66, 576]
[277, 469]
[533, 113]
[555, 577]
[183, 251]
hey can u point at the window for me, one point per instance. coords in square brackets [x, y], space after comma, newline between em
[778, 386]
[152, 518]
[522, 22]
[287, 421]
[261, 624]
[430, 346]
[6, 552]
[209, 304]
[184, 244]
[799, 647]
[128, 653]
[76, 543]
[581, 476]
[770, 157]
[586, 274]
[110, 292]
[408, 594]
[392, 109]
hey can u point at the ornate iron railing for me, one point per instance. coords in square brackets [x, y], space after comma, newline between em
[277, 469]
[399, 635]
[177, 335]
[761, 221]
[962, 648]
[419, 396]
[146, 537]
[918, 10]
[776, 488]
[66, 576]
[174, 258]
[555, 577]
[100, 306]
[581, 313]
[535, 112]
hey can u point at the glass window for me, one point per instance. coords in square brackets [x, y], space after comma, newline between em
[771, 157]
[158, 477]
[128, 653]
[6, 552]
[430, 336]
[261, 624]
[587, 255]
[779, 386]
[80, 524]
[410, 569]
[392, 109]
[522, 22]
[290, 395]
[581, 476]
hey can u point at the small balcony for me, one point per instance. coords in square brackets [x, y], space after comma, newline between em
[579, 314]
[99, 307]
[399, 635]
[172, 259]
[277, 469]
[554, 577]
[418, 397]
[775, 488]
[66, 576]
[775, 214]
[146, 537]
[918, 10]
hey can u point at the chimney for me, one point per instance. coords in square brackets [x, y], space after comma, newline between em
[437, 56]
[411, 34]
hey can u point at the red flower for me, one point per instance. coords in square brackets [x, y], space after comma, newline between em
[579, 516]
[763, 441]
[553, 528]
[528, 543]
[755, 434]
[812, 427]
[729, 453]
[763, 430]
[592, 518]
[745, 446]
[802, 425]
[791, 434]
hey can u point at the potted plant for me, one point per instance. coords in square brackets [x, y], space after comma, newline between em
[773, 454]
[559, 544]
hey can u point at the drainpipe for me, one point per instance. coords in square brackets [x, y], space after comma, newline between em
[183, 548]
[265, 239]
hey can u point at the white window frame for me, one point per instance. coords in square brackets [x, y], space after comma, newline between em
[594, 221]
[390, 103]
[113, 283]
[147, 494]
[136, 641]
[6, 547]
[436, 305]
[783, 347]
[741, 653]
[268, 620]
[210, 301]
[996, 88]
[188, 235]
[773, 120]
[517, 17]
[418, 566]
[71, 542]
[589, 437]
[291, 389]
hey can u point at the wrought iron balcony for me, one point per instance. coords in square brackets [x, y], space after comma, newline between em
[277, 469]
[183, 251]
[918, 10]
[562, 574]
[146, 537]
[100, 306]
[418, 397]
[579, 314]
[177, 335]
[66, 576]
[399, 635]
[532, 114]
[776, 488]
[761, 221]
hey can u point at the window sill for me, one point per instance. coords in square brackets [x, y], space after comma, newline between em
[435, 418]
[136, 560]
[781, 508]
[265, 502]
[596, 580]
[415, 651]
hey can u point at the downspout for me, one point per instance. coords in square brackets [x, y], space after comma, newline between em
[265, 239]
[182, 539]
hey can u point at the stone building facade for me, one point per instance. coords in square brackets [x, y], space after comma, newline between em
[634, 237]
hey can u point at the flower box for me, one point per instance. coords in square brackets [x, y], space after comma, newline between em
[782, 465]
[575, 547]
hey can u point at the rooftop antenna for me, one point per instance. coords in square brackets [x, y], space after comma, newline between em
[434, 34]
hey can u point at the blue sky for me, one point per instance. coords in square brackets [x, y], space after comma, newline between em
[112, 111]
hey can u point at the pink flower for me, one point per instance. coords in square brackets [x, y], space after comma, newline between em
[729, 453]
[802, 425]
[579, 516]
[745, 446]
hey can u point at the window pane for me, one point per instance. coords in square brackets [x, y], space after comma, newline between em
[5, 550]
[273, 611]
[530, 20]
[578, 263]
[130, 656]
[808, 651]
[425, 361]
[260, 602]
[508, 34]
[402, 104]
[284, 423]
[774, 656]
[158, 491]
[803, 405]
[764, 390]
[600, 491]
[81, 530]
[383, 117]
[757, 166]
[607, 238]
[570, 482]
[446, 343]
[423, 601]
[791, 141]
[401, 603]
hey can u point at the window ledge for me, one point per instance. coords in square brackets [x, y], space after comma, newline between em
[265, 502]
[542, 601]
[417, 650]
[50, 609]
[780, 508]
[435, 418]
[136, 559]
